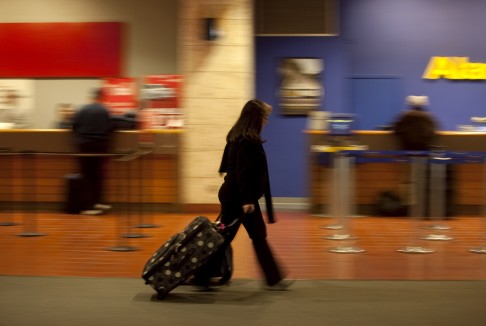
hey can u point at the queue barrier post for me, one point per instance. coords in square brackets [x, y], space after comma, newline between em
[333, 201]
[142, 175]
[343, 162]
[6, 155]
[482, 249]
[339, 196]
[122, 244]
[417, 210]
[436, 202]
[128, 160]
[29, 192]
[329, 155]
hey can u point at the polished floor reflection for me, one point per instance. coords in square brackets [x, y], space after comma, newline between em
[75, 245]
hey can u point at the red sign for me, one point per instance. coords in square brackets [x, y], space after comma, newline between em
[39, 50]
[160, 96]
[120, 94]
[161, 91]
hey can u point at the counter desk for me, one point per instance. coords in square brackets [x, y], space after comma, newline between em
[143, 167]
[373, 178]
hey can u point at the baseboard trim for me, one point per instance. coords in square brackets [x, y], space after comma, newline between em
[288, 204]
[279, 204]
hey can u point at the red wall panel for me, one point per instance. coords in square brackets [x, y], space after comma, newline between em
[42, 50]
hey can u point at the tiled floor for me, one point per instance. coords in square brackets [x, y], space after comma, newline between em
[75, 245]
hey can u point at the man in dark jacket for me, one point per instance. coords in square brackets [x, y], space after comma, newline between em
[93, 127]
[415, 127]
[416, 130]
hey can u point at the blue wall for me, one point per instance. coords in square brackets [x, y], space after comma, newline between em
[393, 37]
[379, 38]
[286, 143]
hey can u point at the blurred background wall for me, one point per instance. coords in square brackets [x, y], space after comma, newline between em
[377, 59]
[219, 79]
[150, 45]
[373, 59]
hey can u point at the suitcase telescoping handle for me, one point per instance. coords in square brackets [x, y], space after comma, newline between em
[222, 226]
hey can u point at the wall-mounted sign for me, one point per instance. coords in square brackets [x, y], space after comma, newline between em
[61, 49]
[120, 94]
[160, 96]
[16, 103]
[454, 68]
[300, 87]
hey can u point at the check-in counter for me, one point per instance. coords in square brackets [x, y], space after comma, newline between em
[373, 178]
[143, 166]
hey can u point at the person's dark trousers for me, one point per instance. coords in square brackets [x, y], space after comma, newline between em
[255, 226]
[92, 171]
[256, 229]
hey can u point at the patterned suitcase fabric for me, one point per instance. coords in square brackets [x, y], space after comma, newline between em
[182, 255]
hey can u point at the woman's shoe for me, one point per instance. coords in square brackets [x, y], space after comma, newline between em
[283, 285]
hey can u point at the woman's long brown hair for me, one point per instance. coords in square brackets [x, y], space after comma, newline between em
[250, 123]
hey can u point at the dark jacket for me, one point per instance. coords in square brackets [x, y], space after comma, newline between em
[92, 123]
[416, 130]
[246, 181]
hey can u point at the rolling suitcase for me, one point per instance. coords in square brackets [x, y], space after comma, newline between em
[223, 271]
[180, 256]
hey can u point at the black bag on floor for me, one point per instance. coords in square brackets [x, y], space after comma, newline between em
[74, 193]
[183, 254]
[390, 204]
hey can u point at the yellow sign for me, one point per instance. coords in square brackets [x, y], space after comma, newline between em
[454, 68]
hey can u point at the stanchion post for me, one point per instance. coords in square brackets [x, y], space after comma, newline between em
[338, 196]
[122, 245]
[343, 165]
[29, 224]
[417, 191]
[334, 191]
[128, 189]
[142, 174]
[6, 154]
[333, 195]
[482, 249]
[436, 196]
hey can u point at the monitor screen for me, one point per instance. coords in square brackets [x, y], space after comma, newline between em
[341, 124]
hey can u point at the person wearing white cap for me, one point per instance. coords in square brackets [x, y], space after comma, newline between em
[416, 130]
[416, 127]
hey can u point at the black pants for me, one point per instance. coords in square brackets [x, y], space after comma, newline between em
[256, 229]
[92, 171]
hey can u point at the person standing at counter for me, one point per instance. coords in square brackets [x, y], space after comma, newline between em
[65, 112]
[415, 127]
[93, 128]
[416, 130]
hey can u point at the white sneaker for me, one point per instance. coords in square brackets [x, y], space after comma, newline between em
[283, 285]
[91, 212]
[103, 207]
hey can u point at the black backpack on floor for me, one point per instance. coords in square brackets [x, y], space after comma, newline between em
[389, 203]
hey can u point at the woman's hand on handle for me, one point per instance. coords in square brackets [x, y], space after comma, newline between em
[248, 208]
